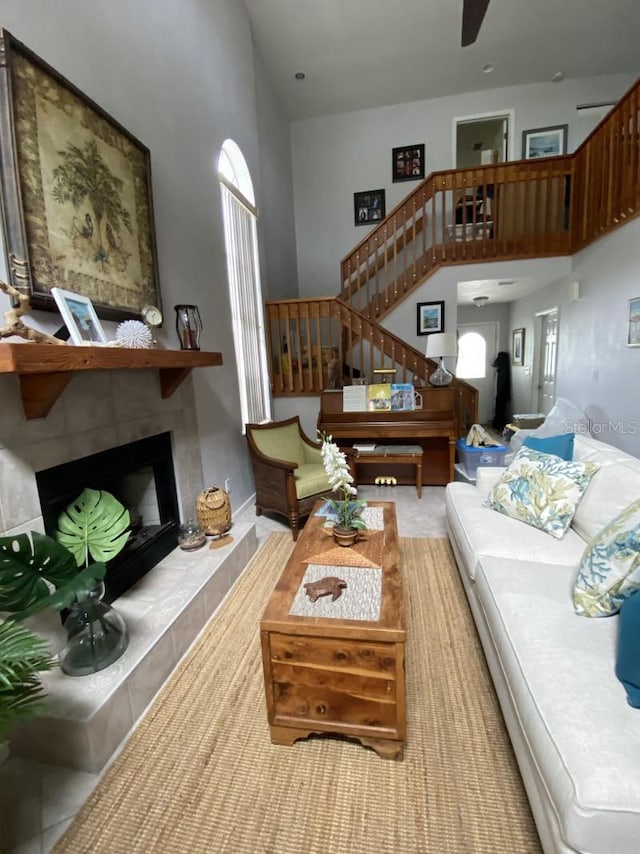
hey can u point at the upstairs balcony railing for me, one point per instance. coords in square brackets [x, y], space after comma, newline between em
[509, 210]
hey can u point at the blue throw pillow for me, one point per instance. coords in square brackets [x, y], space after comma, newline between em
[561, 446]
[628, 649]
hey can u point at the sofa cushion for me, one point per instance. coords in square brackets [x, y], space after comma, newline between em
[609, 571]
[541, 490]
[477, 530]
[611, 489]
[628, 649]
[572, 709]
[561, 446]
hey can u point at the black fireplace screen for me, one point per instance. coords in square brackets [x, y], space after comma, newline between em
[141, 476]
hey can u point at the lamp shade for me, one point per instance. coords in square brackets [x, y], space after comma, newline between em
[441, 344]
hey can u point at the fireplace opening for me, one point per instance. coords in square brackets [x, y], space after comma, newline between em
[141, 476]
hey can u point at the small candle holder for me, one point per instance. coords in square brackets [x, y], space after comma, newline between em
[191, 536]
[188, 326]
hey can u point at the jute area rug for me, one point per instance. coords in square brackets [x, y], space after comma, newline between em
[199, 774]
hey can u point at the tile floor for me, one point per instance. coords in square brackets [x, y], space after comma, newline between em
[38, 801]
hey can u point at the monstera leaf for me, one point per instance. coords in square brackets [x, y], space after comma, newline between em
[94, 525]
[31, 566]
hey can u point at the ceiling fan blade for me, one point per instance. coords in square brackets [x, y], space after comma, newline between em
[473, 12]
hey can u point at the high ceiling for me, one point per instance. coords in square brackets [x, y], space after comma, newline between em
[358, 54]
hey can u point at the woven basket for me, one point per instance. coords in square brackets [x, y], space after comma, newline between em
[213, 511]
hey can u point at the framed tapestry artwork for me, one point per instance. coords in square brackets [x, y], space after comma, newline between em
[80, 317]
[76, 193]
[430, 317]
[633, 323]
[368, 207]
[544, 142]
[517, 347]
[408, 163]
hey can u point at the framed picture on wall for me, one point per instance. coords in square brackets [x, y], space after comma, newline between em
[430, 317]
[544, 142]
[368, 207]
[633, 323]
[517, 347]
[407, 163]
[76, 193]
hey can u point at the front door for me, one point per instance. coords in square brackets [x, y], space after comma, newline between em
[477, 350]
[548, 358]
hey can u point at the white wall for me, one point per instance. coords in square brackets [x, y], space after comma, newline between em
[335, 156]
[595, 369]
[180, 76]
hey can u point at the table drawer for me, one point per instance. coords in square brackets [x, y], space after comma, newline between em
[350, 656]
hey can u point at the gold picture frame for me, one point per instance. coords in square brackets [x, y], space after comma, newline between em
[77, 207]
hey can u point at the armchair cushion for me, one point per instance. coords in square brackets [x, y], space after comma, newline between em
[281, 443]
[311, 478]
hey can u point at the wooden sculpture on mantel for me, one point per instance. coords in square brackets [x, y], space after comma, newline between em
[14, 325]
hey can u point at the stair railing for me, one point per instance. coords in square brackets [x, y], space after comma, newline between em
[315, 344]
[508, 210]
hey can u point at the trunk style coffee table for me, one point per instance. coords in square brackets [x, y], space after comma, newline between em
[336, 665]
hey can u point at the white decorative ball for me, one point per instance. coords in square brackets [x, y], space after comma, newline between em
[134, 334]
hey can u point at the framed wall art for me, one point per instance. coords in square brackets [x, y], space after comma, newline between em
[80, 317]
[517, 347]
[76, 193]
[430, 317]
[544, 142]
[368, 207]
[407, 163]
[633, 323]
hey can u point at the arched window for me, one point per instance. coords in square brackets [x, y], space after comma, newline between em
[245, 291]
[472, 356]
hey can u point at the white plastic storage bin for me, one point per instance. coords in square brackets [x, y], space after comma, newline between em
[470, 458]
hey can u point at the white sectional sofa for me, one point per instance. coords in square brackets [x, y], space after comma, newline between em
[576, 739]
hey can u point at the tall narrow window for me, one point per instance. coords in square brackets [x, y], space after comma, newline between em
[245, 292]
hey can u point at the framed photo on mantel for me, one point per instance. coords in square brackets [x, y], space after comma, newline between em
[75, 190]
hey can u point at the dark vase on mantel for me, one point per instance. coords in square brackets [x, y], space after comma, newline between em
[96, 635]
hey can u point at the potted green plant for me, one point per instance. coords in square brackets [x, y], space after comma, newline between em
[22, 656]
[39, 571]
[346, 509]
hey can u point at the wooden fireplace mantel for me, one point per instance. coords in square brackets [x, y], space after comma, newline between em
[44, 370]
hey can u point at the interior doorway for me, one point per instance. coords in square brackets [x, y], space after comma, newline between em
[548, 358]
[483, 139]
[477, 351]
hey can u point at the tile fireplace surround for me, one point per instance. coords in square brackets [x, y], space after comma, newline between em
[87, 717]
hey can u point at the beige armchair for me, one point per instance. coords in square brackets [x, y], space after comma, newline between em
[287, 469]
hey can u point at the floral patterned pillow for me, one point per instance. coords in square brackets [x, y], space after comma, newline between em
[609, 571]
[541, 490]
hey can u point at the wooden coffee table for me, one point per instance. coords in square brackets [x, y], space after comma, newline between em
[338, 674]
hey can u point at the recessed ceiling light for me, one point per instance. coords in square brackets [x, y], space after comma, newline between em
[299, 75]
[488, 68]
[557, 77]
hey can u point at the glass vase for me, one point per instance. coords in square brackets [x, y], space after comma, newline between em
[96, 635]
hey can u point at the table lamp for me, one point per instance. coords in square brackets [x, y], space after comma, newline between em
[439, 345]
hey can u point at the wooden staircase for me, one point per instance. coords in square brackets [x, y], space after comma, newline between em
[524, 209]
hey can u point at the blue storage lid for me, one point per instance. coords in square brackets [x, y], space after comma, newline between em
[470, 449]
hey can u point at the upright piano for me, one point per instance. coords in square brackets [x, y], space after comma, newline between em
[433, 426]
